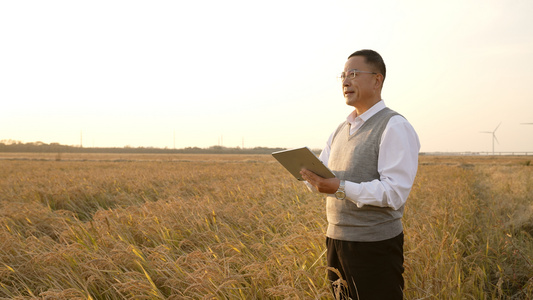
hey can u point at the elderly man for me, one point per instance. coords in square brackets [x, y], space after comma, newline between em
[374, 155]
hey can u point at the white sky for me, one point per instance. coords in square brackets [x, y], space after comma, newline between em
[136, 72]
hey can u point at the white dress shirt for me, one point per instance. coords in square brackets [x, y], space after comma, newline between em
[397, 162]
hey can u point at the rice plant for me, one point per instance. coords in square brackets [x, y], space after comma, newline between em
[240, 227]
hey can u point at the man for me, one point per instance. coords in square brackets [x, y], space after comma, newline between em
[374, 155]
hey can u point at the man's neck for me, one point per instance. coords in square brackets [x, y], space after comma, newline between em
[361, 109]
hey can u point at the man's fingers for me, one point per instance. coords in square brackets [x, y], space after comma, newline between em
[312, 178]
[308, 175]
[323, 185]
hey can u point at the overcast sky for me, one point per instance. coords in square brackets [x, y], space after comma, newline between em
[261, 73]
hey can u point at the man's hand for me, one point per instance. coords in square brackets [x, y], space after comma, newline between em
[323, 185]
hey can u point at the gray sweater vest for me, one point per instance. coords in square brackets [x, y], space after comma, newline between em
[355, 158]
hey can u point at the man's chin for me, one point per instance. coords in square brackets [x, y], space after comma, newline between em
[350, 102]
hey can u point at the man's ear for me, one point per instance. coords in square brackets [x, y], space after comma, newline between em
[379, 81]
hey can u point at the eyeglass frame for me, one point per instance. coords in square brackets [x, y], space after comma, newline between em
[343, 77]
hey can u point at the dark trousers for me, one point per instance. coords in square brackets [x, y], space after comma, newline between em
[369, 270]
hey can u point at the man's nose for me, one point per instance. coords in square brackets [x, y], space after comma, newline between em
[346, 81]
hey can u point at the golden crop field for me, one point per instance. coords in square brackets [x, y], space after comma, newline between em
[97, 226]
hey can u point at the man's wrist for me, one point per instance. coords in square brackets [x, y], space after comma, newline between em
[341, 193]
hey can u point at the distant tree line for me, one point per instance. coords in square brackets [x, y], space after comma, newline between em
[40, 147]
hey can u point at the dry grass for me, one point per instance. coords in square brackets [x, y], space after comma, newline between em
[239, 227]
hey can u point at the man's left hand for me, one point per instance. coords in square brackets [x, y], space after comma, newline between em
[323, 185]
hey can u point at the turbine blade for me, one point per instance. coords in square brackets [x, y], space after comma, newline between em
[497, 126]
[496, 139]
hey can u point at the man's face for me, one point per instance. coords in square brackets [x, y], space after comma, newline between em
[360, 92]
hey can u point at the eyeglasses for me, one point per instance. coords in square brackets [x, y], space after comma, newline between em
[353, 74]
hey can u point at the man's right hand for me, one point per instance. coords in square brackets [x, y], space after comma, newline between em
[323, 185]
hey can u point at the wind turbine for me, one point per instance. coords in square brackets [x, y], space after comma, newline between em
[493, 136]
[526, 123]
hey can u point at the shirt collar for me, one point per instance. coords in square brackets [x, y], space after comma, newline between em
[367, 114]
